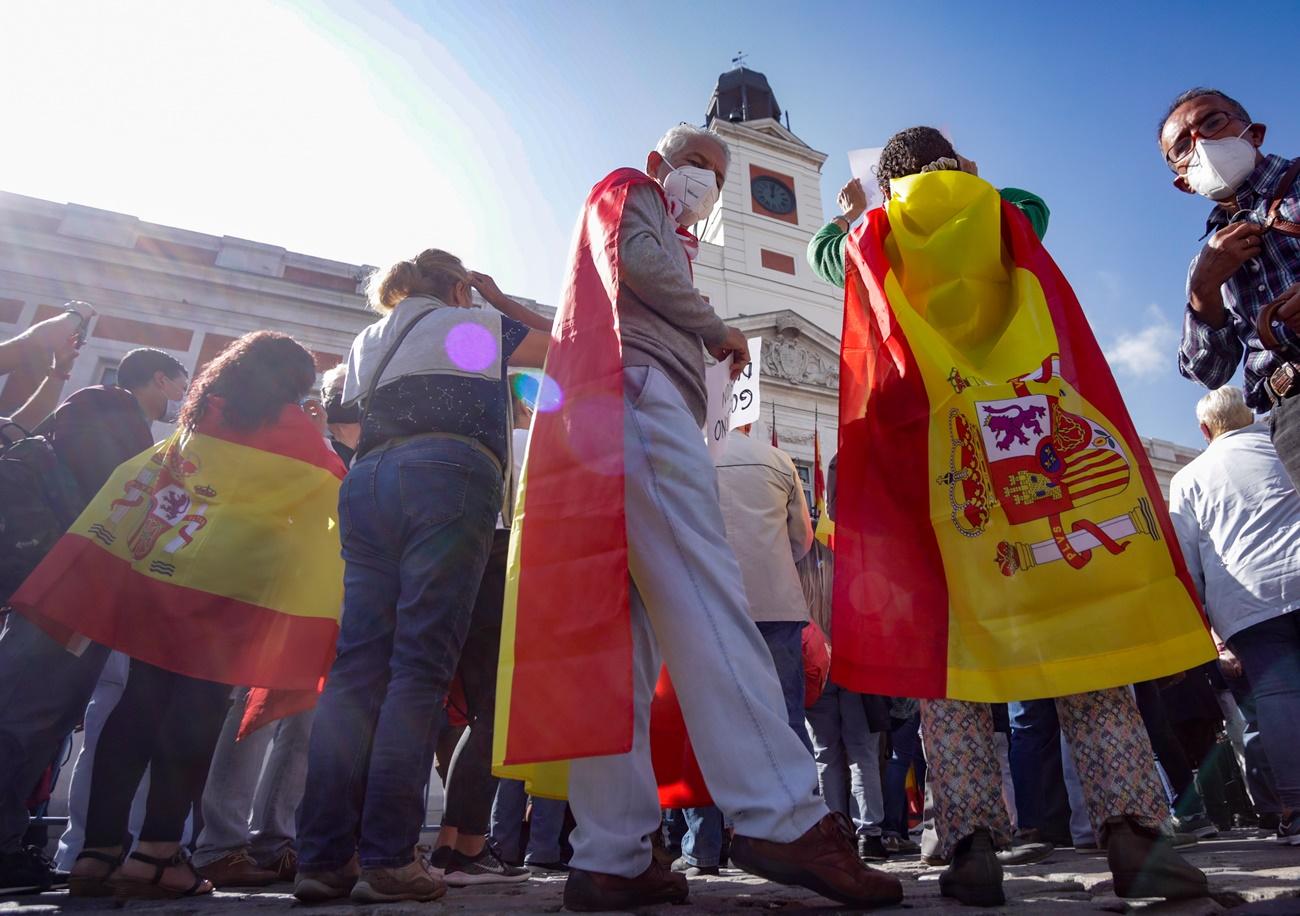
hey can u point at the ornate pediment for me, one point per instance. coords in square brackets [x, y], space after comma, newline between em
[795, 350]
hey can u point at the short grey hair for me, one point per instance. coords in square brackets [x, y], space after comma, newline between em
[333, 380]
[676, 139]
[1223, 410]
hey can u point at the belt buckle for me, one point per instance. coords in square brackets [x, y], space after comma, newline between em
[1281, 383]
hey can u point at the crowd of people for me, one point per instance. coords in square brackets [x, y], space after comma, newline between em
[453, 483]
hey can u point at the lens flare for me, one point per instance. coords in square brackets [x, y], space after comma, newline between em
[471, 346]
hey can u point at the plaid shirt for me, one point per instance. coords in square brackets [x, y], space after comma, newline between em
[1211, 356]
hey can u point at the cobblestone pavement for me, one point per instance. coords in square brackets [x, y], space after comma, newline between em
[1250, 875]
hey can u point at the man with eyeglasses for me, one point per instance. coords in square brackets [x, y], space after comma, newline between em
[1243, 287]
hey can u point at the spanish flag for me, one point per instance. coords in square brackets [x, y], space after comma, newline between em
[825, 526]
[564, 684]
[214, 555]
[999, 527]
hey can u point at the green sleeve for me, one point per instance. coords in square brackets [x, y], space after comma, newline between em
[1031, 205]
[826, 253]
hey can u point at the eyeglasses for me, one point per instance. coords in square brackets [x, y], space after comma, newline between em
[1211, 125]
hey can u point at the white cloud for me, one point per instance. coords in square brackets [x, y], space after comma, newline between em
[1148, 351]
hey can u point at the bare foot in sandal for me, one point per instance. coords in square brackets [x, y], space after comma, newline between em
[158, 871]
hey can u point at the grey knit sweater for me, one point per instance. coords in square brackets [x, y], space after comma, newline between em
[662, 319]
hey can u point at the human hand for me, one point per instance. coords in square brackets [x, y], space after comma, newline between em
[486, 286]
[852, 200]
[65, 354]
[1289, 311]
[1229, 664]
[315, 412]
[735, 345]
[1223, 255]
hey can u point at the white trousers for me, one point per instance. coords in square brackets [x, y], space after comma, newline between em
[689, 608]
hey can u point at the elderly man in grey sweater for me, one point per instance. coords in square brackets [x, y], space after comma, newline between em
[688, 601]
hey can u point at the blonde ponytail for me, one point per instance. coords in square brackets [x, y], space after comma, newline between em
[433, 272]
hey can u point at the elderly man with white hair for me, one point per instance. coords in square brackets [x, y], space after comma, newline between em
[630, 304]
[1237, 516]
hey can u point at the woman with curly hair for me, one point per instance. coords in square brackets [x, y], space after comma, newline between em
[168, 721]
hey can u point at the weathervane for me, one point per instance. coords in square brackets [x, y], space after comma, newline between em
[739, 59]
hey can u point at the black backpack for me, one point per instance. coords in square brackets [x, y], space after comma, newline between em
[39, 500]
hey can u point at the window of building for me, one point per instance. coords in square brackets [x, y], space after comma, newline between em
[106, 374]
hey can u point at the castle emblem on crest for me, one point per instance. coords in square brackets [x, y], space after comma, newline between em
[156, 504]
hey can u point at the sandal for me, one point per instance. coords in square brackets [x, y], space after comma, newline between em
[138, 889]
[94, 885]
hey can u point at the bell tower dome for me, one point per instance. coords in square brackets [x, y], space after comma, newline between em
[753, 259]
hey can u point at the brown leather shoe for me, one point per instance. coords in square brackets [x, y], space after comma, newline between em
[237, 869]
[594, 892]
[825, 860]
[413, 881]
[1144, 863]
[285, 865]
[323, 886]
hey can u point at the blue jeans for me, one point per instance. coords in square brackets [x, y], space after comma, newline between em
[702, 844]
[417, 521]
[905, 741]
[1036, 769]
[847, 752]
[1270, 656]
[545, 826]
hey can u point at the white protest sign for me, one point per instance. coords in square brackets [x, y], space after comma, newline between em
[862, 164]
[730, 403]
[744, 394]
[717, 388]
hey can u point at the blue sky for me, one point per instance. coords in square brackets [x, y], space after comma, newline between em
[366, 131]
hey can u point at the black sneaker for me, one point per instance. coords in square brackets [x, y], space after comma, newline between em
[872, 849]
[439, 859]
[1288, 831]
[27, 871]
[484, 868]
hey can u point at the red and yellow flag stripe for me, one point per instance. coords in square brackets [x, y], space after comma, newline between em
[215, 554]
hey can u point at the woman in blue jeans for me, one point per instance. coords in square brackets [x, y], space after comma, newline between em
[417, 513]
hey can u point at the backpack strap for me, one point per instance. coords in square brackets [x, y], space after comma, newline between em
[383, 364]
[1275, 218]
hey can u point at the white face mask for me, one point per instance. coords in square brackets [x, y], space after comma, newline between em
[1218, 167]
[691, 193]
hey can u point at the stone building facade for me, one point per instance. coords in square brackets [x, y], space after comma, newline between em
[190, 293]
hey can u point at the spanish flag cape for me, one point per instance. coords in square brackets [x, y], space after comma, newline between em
[564, 685]
[215, 555]
[999, 530]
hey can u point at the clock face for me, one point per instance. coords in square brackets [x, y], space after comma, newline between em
[773, 195]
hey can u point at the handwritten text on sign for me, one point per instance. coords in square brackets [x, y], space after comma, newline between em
[731, 403]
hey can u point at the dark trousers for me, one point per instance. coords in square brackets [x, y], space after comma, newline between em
[904, 754]
[43, 694]
[1284, 422]
[471, 787]
[1036, 770]
[1169, 750]
[168, 723]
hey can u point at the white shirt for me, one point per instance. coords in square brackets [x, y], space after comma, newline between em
[1237, 515]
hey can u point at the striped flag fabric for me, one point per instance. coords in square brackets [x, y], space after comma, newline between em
[825, 532]
[998, 520]
[215, 554]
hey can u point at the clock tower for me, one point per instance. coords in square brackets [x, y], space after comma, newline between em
[752, 260]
